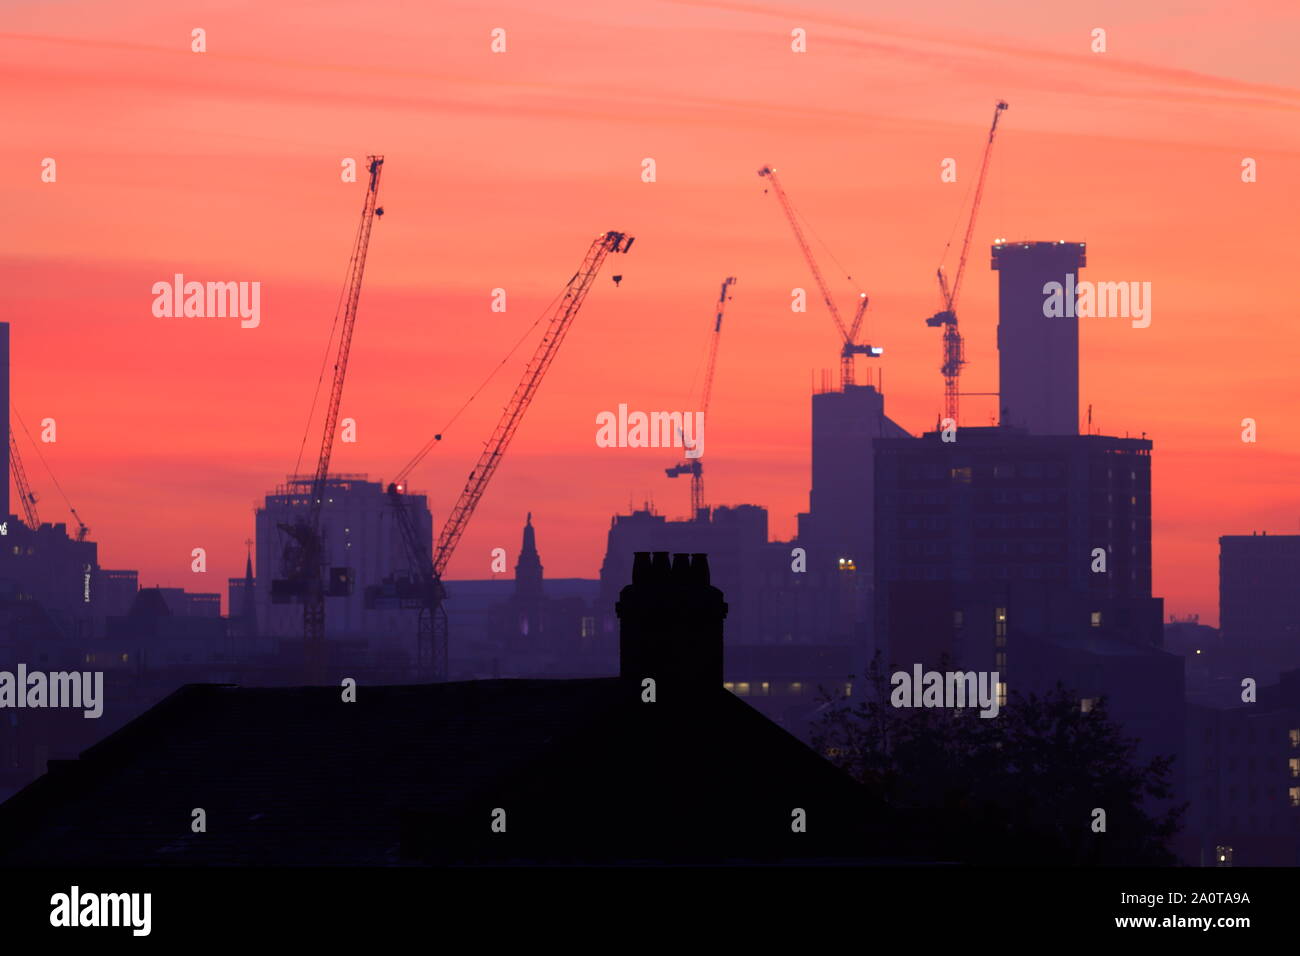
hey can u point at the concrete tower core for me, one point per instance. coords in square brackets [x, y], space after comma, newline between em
[840, 523]
[1038, 356]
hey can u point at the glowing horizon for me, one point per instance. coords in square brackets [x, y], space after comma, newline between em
[224, 166]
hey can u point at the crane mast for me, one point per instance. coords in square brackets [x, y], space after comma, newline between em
[694, 467]
[954, 347]
[305, 556]
[427, 569]
[849, 334]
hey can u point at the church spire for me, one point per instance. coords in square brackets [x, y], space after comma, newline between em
[249, 611]
[528, 569]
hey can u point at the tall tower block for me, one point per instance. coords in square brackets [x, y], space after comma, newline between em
[1038, 356]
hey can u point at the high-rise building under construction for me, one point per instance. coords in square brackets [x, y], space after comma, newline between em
[360, 537]
[1038, 354]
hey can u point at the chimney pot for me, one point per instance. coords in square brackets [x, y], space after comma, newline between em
[661, 566]
[641, 567]
[700, 568]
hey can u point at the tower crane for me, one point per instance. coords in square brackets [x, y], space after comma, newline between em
[304, 555]
[424, 588]
[954, 348]
[25, 493]
[849, 334]
[82, 530]
[693, 466]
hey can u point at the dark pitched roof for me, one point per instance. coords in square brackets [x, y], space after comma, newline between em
[585, 770]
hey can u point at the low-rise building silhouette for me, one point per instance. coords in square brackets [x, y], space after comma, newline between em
[658, 764]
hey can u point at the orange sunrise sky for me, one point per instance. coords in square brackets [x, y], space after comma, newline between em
[501, 168]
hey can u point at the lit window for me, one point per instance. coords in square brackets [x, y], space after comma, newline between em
[124, 658]
[1087, 704]
[1294, 763]
[796, 688]
[1294, 793]
[1223, 856]
[957, 619]
[1002, 693]
[1295, 738]
[848, 690]
[765, 688]
[1096, 618]
[742, 689]
[728, 685]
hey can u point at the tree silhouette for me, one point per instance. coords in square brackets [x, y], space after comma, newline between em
[1020, 788]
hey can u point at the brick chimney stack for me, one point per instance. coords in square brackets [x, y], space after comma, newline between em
[670, 625]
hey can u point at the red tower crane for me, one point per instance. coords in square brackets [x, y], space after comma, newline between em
[424, 588]
[954, 348]
[849, 334]
[693, 466]
[304, 555]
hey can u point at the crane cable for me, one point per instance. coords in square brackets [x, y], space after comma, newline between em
[429, 445]
[808, 225]
[955, 223]
[338, 313]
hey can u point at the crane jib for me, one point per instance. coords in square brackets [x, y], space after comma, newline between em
[433, 625]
